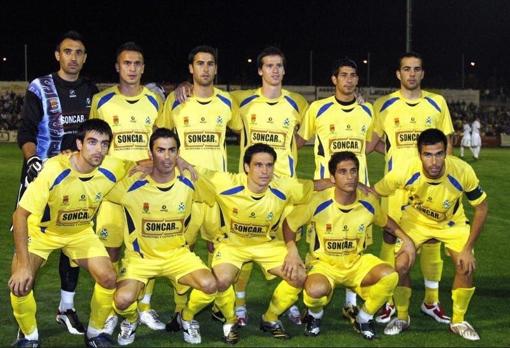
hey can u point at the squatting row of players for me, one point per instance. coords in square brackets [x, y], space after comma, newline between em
[252, 217]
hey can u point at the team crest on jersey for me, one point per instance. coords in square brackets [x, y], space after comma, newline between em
[53, 103]
[363, 129]
[65, 200]
[132, 119]
[186, 121]
[148, 120]
[103, 234]
[396, 120]
[428, 121]
[146, 207]
[83, 198]
[115, 120]
[286, 123]
[253, 118]
[446, 204]
[181, 207]
[219, 120]
[328, 228]
[270, 216]
[361, 228]
[99, 196]
[332, 128]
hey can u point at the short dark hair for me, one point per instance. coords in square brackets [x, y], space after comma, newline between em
[345, 61]
[410, 54]
[201, 49]
[340, 157]
[270, 51]
[94, 125]
[128, 46]
[432, 136]
[163, 133]
[72, 35]
[258, 148]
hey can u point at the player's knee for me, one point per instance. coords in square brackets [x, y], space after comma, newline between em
[208, 285]
[107, 278]
[123, 299]
[316, 289]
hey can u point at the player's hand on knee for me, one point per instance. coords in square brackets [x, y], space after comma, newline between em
[293, 266]
[21, 281]
[466, 262]
[407, 254]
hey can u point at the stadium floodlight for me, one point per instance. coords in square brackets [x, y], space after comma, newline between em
[472, 63]
[249, 60]
[4, 59]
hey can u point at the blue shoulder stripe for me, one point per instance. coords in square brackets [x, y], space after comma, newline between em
[232, 191]
[137, 184]
[413, 179]
[225, 100]
[388, 102]
[455, 183]
[322, 206]
[108, 174]
[60, 178]
[367, 110]
[367, 205]
[433, 103]
[186, 181]
[323, 109]
[292, 102]
[291, 166]
[136, 247]
[247, 100]
[130, 224]
[153, 101]
[175, 104]
[104, 99]
[278, 193]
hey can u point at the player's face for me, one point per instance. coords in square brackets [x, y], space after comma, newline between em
[203, 69]
[130, 67]
[260, 170]
[346, 176]
[272, 70]
[432, 159]
[94, 147]
[346, 81]
[71, 57]
[164, 154]
[410, 73]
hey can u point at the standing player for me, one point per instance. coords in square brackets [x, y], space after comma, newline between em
[158, 212]
[340, 123]
[476, 140]
[56, 212]
[400, 117]
[466, 137]
[131, 111]
[435, 184]
[341, 217]
[55, 106]
[201, 123]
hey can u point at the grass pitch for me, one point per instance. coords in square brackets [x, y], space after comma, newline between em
[488, 312]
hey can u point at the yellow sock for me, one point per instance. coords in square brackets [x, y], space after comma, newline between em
[225, 302]
[100, 306]
[379, 293]
[461, 298]
[284, 296]
[24, 309]
[387, 253]
[242, 281]
[180, 301]
[315, 305]
[210, 256]
[431, 266]
[402, 296]
[198, 300]
[130, 313]
[144, 304]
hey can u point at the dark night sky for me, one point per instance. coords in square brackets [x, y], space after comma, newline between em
[442, 32]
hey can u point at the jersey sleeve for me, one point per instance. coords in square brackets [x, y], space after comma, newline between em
[380, 217]
[300, 215]
[446, 122]
[165, 116]
[31, 116]
[472, 188]
[116, 194]
[302, 106]
[307, 129]
[37, 195]
[389, 183]
[378, 120]
[370, 129]
[300, 190]
[94, 112]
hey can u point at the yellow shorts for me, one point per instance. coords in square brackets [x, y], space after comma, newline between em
[179, 263]
[350, 277]
[110, 223]
[267, 255]
[82, 245]
[454, 238]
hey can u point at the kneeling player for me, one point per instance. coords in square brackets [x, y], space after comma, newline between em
[55, 213]
[435, 183]
[340, 217]
[157, 211]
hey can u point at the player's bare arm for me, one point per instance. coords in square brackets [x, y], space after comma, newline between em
[22, 277]
[466, 260]
[292, 265]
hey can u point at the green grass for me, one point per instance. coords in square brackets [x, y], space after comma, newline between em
[488, 312]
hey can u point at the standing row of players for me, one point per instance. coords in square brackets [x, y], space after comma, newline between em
[270, 115]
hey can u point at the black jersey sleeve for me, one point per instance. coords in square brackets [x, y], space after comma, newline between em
[31, 115]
